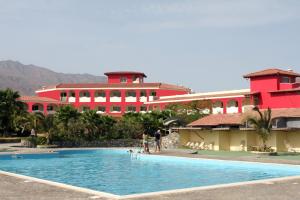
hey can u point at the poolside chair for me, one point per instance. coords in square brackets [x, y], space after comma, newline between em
[192, 145]
[201, 145]
[196, 145]
[187, 144]
[289, 146]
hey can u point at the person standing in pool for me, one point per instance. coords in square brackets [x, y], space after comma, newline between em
[157, 136]
[146, 143]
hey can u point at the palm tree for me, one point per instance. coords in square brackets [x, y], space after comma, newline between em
[263, 124]
[9, 109]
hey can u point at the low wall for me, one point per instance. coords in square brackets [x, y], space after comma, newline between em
[242, 140]
[109, 143]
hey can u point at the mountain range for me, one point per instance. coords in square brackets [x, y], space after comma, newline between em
[28, 78]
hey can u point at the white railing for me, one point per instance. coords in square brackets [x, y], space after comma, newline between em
[115, 99]
[232, 109]
[72, 99]
[100, 99]
[205, 111]
[115, 112]
[130, 99]
[151, 98]
[100, 112]
[217, 110]
[143, 99]
[85, 99]
[247, 108]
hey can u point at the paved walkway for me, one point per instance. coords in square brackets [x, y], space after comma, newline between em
[13, 188]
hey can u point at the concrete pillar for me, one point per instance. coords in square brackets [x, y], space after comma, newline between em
[224, 106]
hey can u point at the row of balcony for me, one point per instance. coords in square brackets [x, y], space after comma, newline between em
[114, 99]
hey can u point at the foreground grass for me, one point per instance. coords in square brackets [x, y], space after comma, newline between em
[234, 154]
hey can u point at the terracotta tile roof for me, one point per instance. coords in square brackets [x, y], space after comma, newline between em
[271, 72]
[119, 85]
[38, 99]
[125, 72]
[218, 119]
[239, 118]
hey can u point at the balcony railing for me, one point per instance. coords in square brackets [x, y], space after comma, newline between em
[100, 99]
[143, 99]
[72, 99]
[115, 99]
[130, 99]
[85, 99]
[232, 109]
[217, 110]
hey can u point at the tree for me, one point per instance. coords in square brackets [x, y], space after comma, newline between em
[96, 125]
[66, 120]
[10, 107]
[263, 124]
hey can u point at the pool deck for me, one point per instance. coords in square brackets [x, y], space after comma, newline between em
[14, 187]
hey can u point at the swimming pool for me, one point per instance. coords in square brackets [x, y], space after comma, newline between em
[115, 171]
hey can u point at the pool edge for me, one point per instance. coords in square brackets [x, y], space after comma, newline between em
[147, 194]
[61, 185]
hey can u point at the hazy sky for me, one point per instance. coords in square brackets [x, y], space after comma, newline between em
[204, 45]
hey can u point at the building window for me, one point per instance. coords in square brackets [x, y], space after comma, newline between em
[143, 109]
[85, 108]
[50, 108]
[130, 94]
[100, 94]
[131, 109]
[115, 93]
[115, 109]
[123, 79]
[285, 79]
[256, 100]
[136, 79]
[63, 96]
[102, 108]
[72, 94]
[85, 94]
[153, 93]
[35, 107]
[143, 93]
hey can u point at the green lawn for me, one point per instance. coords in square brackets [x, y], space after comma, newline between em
[281, 155]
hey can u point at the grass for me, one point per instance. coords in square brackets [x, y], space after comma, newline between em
[233, 154]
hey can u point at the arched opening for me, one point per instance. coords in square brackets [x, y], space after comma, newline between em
[84, 96]
[101, 109]
[84, 108]
[115, 109]
[63, 96]
[232, 106]
[130, 96]
[115, 96]
[246, 104]
[217, 107]
[51, 108]
[37, 107]
[131, 108]
[143, 109]
[72, 96]
[100, 96]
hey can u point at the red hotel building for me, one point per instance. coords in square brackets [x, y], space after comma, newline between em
[273, 88]
[123, 92]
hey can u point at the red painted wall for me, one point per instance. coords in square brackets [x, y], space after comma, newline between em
[266, 84]
[93, 105]
[116, 78]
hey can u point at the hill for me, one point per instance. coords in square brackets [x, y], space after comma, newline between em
[28, 78]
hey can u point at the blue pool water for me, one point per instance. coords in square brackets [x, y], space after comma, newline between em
[114, 171]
